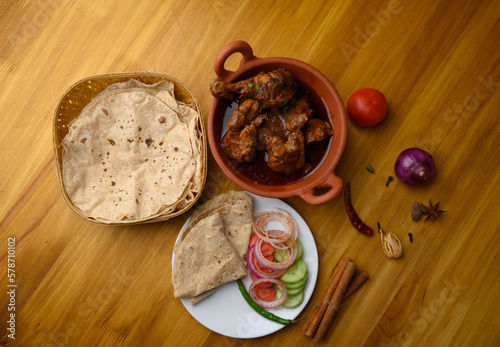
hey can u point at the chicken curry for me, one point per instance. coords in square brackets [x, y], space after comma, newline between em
[276, 128]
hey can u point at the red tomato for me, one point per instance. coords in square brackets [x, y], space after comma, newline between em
[267, 251]
[262, 284]
[253, 239]
[266, 294]
[367, 107]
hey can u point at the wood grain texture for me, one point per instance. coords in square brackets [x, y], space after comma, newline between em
[81, 284]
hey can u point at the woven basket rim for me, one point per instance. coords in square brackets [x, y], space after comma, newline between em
[127, 76]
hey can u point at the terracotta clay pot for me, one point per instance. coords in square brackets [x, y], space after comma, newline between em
[323, 175]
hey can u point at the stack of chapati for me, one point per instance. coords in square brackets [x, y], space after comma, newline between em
[133, 154]
[211, 250]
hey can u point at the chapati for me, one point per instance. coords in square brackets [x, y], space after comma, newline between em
[205, 259]
[133, 153]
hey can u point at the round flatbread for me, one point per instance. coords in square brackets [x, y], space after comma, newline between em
[131, 156]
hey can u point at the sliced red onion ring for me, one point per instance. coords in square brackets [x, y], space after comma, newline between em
[257, 271]
[283, 240]
[279, 238]
[266, 304]
[290, 257]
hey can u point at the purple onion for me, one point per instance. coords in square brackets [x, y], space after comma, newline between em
[414, 166]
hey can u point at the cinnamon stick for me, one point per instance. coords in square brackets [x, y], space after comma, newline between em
[335, 301]
[311, 325]
[356, 282]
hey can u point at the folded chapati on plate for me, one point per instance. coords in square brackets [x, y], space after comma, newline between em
[133, 153]
[235, 209]
[205, 259]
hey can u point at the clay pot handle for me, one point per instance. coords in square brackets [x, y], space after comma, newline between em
[333, 182]
[233, 47]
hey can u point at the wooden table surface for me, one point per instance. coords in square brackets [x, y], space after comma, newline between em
[437, 62]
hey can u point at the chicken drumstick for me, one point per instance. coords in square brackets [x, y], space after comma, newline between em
[273, 89]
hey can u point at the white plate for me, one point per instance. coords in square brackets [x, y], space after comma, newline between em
[226, 312]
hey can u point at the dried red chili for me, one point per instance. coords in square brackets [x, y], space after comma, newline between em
[353, 216]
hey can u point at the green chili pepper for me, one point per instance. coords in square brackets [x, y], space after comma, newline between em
[259, 309]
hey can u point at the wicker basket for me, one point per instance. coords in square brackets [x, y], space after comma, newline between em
[82, 92]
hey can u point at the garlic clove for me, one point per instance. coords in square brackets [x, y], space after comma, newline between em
[390, 244]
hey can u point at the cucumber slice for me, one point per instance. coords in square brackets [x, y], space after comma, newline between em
[295, 273]
[279, 291]
[293, 296]
[293, 300]
[299, 284]
[280, 254]
[295, 291]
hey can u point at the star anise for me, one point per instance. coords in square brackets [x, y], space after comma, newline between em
[432, 211]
